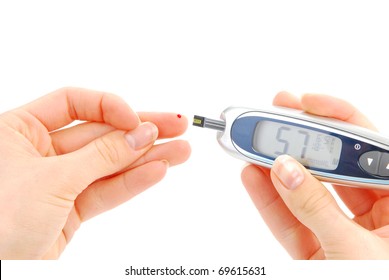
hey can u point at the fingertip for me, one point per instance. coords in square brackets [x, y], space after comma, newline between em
[258, 185]
[158, 171]
[248, 174]
[253, 176]
[333, 107]
[183, 150]
[118, 113]
[182, 123]
[327, 106]
[144, 135]
[288, 173]
[164, 168]
[169, 124]
[286, 99]
[308, 199]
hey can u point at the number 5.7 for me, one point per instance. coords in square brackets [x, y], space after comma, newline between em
[284, 134]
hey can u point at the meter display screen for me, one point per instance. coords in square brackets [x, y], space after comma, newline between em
[310, 147]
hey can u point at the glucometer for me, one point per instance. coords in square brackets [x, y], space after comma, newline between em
[333, 151]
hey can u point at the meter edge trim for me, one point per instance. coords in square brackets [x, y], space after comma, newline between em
[230, 115]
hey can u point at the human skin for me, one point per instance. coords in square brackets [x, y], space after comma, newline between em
[303, 215]
[54, 178]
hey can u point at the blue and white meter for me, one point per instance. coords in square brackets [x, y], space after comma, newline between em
[332, 150]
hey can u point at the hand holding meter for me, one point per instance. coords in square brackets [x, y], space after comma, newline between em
[332, 150]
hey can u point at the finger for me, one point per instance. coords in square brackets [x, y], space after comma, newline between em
[169, 124]
[107, 194]
[175, 152]
[63, 106]
[332, 107]
[286, 99]
[383, 231]
[299, 241]
[73, 138]
[377, 217]
[311, 203]
[357, 200]
[107, 155]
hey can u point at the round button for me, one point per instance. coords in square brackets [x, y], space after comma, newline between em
[369, 162]
[383, 169]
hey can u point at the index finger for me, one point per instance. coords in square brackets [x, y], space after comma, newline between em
[65, 105]
[332, 107]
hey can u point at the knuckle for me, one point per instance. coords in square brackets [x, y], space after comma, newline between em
[98, 200]
[314, 202]
[108, 151]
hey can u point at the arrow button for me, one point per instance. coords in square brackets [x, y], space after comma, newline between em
[384, 165]
[369, 162]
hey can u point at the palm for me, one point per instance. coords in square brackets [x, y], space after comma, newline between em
[26, 140]
[370, 209]
[45, 195]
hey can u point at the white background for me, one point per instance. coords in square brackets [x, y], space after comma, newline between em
[191, 57]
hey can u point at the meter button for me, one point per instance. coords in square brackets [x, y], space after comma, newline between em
[383, 169]
[370, 162]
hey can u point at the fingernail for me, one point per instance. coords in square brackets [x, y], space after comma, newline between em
[288, 171]
[145, 134]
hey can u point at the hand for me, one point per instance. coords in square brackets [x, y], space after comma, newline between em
[52, 180]
[303, 215]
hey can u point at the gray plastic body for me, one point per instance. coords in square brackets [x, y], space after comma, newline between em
[347, 130]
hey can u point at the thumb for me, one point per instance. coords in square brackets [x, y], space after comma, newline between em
[310, 202]
[108, 154]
